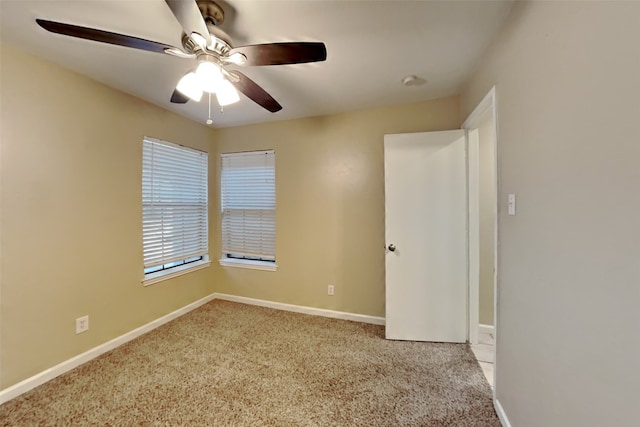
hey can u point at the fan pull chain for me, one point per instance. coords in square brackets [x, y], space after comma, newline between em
[209, 121]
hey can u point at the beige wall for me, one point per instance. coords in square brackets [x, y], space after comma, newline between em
[486, 210]
[568, 99]
[330, 204]
[71, 214]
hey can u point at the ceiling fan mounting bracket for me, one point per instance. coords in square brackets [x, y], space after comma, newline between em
[211, 11]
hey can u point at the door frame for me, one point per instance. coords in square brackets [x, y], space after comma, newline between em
[487, 105]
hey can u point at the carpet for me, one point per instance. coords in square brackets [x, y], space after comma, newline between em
[231, 364]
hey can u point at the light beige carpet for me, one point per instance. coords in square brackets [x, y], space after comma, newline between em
[229, 364]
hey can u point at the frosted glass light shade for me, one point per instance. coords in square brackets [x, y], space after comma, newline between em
[209, 76]
[227, 94]
[190, 86]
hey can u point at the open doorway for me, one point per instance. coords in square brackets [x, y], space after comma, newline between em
[482, 185]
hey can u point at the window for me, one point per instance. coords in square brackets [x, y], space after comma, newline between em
[174, 209]
[248, 202]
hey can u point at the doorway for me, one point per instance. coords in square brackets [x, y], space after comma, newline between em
[483, 190]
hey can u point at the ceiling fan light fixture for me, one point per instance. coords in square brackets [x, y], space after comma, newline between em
[227, 94]
[189, 85]
[209, 76]
[205, 42]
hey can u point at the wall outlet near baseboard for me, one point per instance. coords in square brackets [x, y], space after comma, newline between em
[330, 289]
[82, 324]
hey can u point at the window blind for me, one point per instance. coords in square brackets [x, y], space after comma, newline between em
[248, 201]
[174, 203]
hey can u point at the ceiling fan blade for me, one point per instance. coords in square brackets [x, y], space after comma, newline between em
[178, 97]
[254, 92]
[282, 53]
[103, 36]
[188, 15]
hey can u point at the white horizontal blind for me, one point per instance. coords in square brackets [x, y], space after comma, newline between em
[174, 203]
[248, 196]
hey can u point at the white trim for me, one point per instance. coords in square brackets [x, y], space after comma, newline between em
[485, 329]
[160, 276]
[363, 318]
[248, 263]
[489, 101]
[69, 364]
[504, 420]
[473, 235]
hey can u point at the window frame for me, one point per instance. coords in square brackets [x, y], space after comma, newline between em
[246, 262]
[189, 263]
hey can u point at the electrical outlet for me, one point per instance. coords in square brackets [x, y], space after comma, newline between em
[330, 289]
[82, 324]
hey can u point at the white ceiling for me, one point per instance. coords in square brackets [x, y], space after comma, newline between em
[371, 46]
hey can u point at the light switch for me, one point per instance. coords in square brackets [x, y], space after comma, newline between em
[511, 204]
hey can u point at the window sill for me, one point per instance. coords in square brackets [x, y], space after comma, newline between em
[160, 276]
[245, 263]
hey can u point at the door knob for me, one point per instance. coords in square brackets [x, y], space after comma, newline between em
[392, 247]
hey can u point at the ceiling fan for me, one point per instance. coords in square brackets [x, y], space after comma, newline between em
[204, 41]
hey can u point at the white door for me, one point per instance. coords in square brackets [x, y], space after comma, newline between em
[425, 231]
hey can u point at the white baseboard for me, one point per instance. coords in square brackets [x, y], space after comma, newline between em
[501, 414]
[59, 369]
[485, 329]
[303, 309]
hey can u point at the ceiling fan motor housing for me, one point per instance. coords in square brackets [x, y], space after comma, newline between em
[219, 46]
